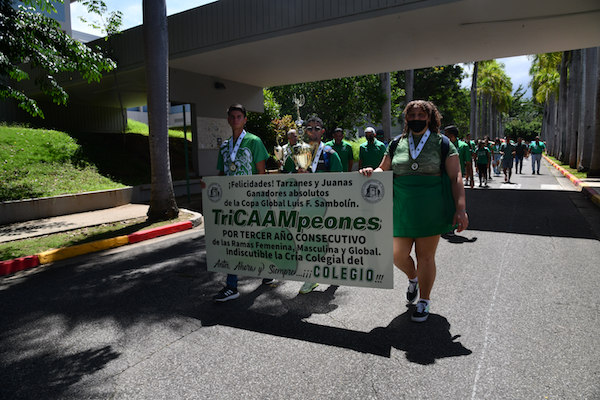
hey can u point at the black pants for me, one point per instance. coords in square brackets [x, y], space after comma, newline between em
[483, 170]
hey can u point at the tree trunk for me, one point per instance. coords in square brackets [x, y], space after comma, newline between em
[162, 196]
[575, 82]
[586, 121]
[594, 171]
[386, 109]
[562, 109]
[409, 84]
[473, 119]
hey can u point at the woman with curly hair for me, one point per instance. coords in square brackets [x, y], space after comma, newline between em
[429, 197]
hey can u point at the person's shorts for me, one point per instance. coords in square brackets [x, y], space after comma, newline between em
[507, 163]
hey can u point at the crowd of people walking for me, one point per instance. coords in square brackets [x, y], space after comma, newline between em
[500, 156]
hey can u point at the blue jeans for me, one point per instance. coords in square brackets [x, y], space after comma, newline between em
[232, 281]
[518, 163]
[536, 159]
[497, 158]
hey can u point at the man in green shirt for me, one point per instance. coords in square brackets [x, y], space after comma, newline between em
[473, 148]
[371, 151]
[242, 154]
[343, 149]
[325, 160]
[536, 148]
[464, 152]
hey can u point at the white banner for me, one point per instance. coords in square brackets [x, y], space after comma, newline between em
[333, 228]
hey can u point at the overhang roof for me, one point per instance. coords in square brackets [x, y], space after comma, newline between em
[266, 43]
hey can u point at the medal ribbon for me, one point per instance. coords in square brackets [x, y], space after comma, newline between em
[415, 152]
[234, 149]
[315, 162]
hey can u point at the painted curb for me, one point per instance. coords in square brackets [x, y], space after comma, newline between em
[160, 231]
[18, 264]
[588, 191]
[72, 251]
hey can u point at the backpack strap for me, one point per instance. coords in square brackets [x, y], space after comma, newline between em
[445, 150]
[393, 145]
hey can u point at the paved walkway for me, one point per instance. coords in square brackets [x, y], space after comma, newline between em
[46, 226]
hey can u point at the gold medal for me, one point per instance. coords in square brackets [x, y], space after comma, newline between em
[232, 167]
[414, 166]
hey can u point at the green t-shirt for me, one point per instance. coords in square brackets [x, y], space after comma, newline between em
[483, 155]
[473, 146]
[429, 160]
[537, 148]
[464, 154]
[371, 154]
[329, 161]
[507, 148]
[251, 151]
[344, 150]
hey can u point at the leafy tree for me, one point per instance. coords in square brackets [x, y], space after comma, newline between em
[524, 117]
[31, 37]
[261, 124]
[345, 102]
[109, 23]
[440, 85]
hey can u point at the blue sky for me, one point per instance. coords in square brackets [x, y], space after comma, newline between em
[517, 68]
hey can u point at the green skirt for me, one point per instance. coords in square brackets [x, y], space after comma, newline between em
[423, 206]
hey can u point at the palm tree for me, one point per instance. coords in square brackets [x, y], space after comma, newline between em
[562, 106]
[473, 119]
[495, 90]
[574, 98]
[162, 195]
[545, 85]
[594, 171]
[589, 99]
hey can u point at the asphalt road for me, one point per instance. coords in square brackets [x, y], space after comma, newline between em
[515, 315]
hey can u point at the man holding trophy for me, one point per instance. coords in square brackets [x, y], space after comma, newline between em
[311, 157]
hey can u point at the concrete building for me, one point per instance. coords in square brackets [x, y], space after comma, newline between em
[227, 51]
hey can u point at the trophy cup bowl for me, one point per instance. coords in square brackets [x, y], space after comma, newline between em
[302, 154]
[278, 152]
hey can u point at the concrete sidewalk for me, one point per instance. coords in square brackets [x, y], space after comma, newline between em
[47, 226]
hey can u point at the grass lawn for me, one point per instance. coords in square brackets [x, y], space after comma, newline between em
[41, 163]
[579, 175]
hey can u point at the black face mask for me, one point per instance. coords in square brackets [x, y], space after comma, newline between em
[417, 125]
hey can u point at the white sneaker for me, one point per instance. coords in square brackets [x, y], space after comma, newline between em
[412, 292]
[422, 312]
[308, 287]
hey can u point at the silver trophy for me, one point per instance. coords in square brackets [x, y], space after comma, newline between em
[303, 154]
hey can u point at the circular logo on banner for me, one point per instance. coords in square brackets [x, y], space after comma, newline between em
[372, 191]
[215, 192]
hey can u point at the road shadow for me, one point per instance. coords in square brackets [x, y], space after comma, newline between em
[423, 343]
[42, 311]
[527, 212]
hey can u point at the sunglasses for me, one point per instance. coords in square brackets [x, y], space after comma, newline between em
[310, 128]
